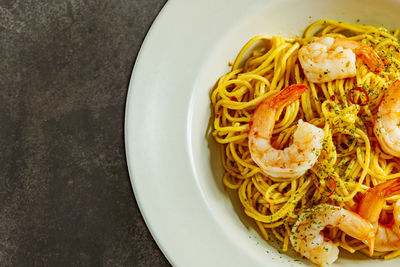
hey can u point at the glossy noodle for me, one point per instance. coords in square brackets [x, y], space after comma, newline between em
[351, 160]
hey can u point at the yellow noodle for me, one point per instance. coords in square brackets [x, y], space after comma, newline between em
[350, 157]
[392, 255]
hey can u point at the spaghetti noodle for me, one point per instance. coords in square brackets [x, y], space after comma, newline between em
[351, 160]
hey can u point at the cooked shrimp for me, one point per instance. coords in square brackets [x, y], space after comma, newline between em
[295, 160]
[387, 237]
[387, 127]
[326, 59]
[307, 239]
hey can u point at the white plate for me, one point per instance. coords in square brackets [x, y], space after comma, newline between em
[174, 165]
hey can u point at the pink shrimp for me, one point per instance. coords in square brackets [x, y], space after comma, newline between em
[386, 127]
[366, 53]
[307, 239]
[294, 160]
[387, 237]
[326, 59]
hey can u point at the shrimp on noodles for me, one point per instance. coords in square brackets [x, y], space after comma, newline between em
[326, 59]
[295, 160]
[307, 239]
[387, 237]
[387, 127]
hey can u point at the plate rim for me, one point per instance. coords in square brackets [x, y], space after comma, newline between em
[171, 257]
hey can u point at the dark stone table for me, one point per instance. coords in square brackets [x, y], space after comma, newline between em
[65, 194]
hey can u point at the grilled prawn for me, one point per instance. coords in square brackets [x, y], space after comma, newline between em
[371, 205]
[301, 155]
[387, 127]
[326, 59]
[307, 239]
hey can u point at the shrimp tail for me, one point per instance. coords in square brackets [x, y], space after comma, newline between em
[396, 85]
[392, 93]
[390, 188]
[371, 244]
[370, 58]
[288, 95]
[371, 203]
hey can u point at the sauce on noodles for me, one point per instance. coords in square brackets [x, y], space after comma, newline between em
[351, 160]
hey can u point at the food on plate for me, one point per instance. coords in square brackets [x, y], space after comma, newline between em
[294, 160]
[307, 239]
[338, 55]
[310, 135]
[386, 126]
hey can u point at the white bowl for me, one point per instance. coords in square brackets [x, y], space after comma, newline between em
[173, 162]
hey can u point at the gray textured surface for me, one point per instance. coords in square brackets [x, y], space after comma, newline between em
[65, 196]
